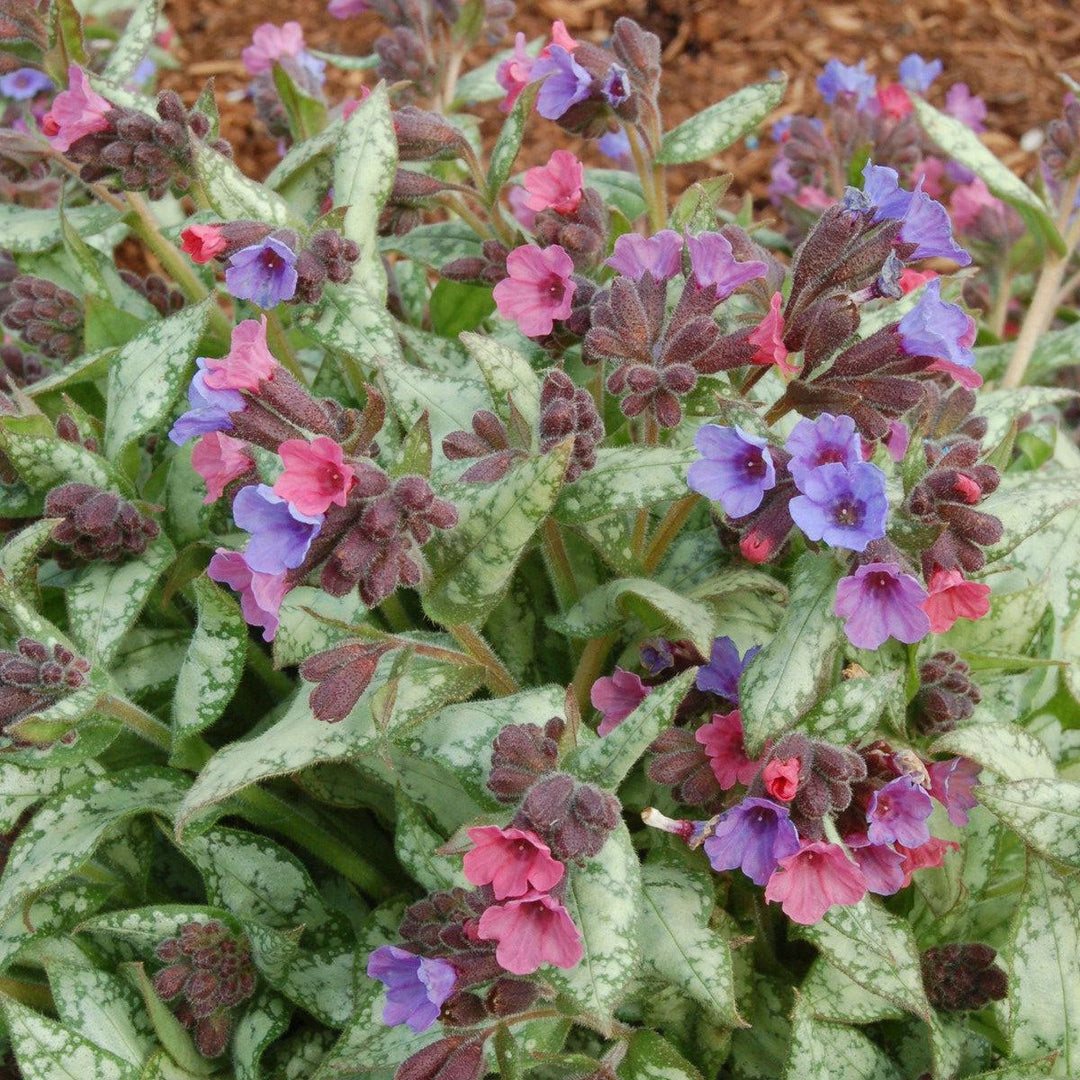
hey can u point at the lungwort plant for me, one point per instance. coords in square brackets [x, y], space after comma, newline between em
[465, 620]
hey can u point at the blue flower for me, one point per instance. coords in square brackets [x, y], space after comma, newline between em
[845, 507]
[615, 145]
[24, 83]
[209, 409]
[566, 82]
[821, 441]
[934, 327]
[736, 470]
[917, 74]
[721, 674]
[264, 273]
[280, 534]
[838, 78]
[754, 836]
[416, 986]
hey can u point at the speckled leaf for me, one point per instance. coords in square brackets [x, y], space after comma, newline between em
[264, 1020]
[786, 678]
[825, 1051]
[64, 832]
[126, 55]
[1025, 504]
[829, 994]
[162, 1067]
[48, 1050]
[1054, 350]
[435, 245]
[23, 229]
[481, 83]
[148, 374]
[1045, 813]
[214, 663]
[473, 563]
[449, 400]
[87, 368]
[309, 621]
[321, 982]
[649, 1056]
[606, 761]
[415, 842]
[1001, 407]
[49, 914]
[604, 898]
[874, 949]
[507, 373]
[18, 557]
[22, 787]
[106, 598]
[626, 478]
[848, 711]
[1043, 961]
[43, 460]
[620, 189]
[1005, 749]
[234, 196]
[1031, 1070]
[720, 125]
[505, 151]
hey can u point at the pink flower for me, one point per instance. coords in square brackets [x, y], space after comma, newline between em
[203, 242]
[812, 880]
[722, 738]
[352, 104]
[616, 696]
[518, 198]
[813, 198]
[315, 475]
[248, 362]
[75, 112]
[965, 376]
[930, 854]
[512, 861]
[910, 279]
[539, 289]
[560, 36]
[897, 441]
[769, 338]
[782, 778]
[219, 459]
[953, 784]
[952, 597]
[534, 930]
[930, 172]
[260, 594]
[515, 73]
[557, 185]
[270, 43]
[343, 9]
[894, 101]
[968, 201]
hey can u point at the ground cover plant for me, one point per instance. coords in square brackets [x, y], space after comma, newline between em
[461, 620]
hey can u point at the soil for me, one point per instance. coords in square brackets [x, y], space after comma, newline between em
[1009, 53]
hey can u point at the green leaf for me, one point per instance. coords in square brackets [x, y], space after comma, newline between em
[89, 367]
[1045, 813]
[449, 400]
[264, 1021]
[505, 151]
[1005, 749]
[170, 1032]
[22, 787]
[720, 125]
[1026, 504]
[43, 460]
[1043, 959]
[50, 914]
[234, 196]
[24, 230]
[456, 307]
[789, 674]
[472, 563]
[18, 557]
[306, 114]
[649, 1056]
[435, 245]
[829, 994]
[1054, 350]
[149, 373]
[415, 842]
[307, 623]
[856, 706]
[823, 1051]
[508, 374]
[619, 189]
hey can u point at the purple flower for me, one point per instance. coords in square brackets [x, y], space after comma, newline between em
[736, 471]
[656, 655]
[754, 836]
[953, 784]
[838, 78]
[821, 441]
[615, 697]
[713, 263]
[264, 273]
[917, 74]
[781, 127]
[416, 986]
[934, 327]
[897, 814]
[280, 534]
[566, 82]
[209, 409]
[615, 86]
[845, 507]
[616, 145]
[882, 190]
[143, 73]
[24, 83]
[882, 868]
[880, 602]
[722, 673]
[963, 105]
[660, 255]
[781, 183]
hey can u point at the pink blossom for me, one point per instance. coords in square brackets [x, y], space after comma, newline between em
[812, 880]
[894, 101]
[512, 861]
[533, 930]
[539, 288]
[518, 198]
[897, 441]
[203, 242]
[968, 201]
[260, 594]
[219, 459]
[953, 784]
[315, 475]
[515, 73]
[929, 173]
[769, 338]
[925, 856]
[953, 597]
[248, 362]
[343, 9]
[270, 43]
[75, 112]
[560, 36]
[813, 198]
[782, 778]
[616, 696]
[965, 376]
[352, 104]
[882, 868]
[722, 738]
[911, 279]
[557, 185]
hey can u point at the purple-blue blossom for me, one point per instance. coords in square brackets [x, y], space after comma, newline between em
[209, 409]
[713, 264]
[24, 83]
[918, 74]
[736, 469]
[280, 534]
[968, 108]
[822, 441]
[659, 254]
[264, 273]
[845, 507]
[721, 674]
[934, 327]
[616, 145]
[566, 82]
[878, 602]
[416, 986]
[839, 78]
[897, 814]
[754, 836]
[615, 86]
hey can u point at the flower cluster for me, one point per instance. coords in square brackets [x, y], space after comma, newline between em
[32, 678]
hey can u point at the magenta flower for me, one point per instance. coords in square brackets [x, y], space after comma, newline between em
[918, 74]
[344, 9]
[768, 336]
[515, 73]
[260, 594]
[721, 674]
[736, 469]
[722, 738]
[781, 778]
[518, 199]
[557, 186]
[897, 813]
[533, 930]
[845, 507]
[879, 602]
[247, 363]
[882, 868]
[968, 201]
[316, 476]
[714, 265]
[24, 83]
[812, 880]
[820, 442]
[203, 242]
[264, 273]
[416, 986]
[754, 836]
[615, 697]
[963, 105]
[897, 441]
[75, 112]
[839, 78]
[280, 534]
[934, 327]
[953, 784]
[539, 289]
[952, 597]
[220, 459]
[659, 255]
[271, 44]
[926, 856]
[209, 409]
[512, 861]
[566, 82]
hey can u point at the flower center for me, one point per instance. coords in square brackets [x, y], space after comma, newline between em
[556, 289]
[881, 581]
[755, 466]
[830, 455]
[847, 513]
[271, 260]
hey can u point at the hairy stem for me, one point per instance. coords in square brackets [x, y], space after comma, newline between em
[557, 559]
[279, 345]
[137, 720]
[589, 666]
[499, 679]
[653, 199]
[666, 531]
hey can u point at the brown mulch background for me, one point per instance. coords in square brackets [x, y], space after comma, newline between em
[1008, 52]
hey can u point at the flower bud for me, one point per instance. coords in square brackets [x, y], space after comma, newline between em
[680, 762]
[566, 409]
[521, 754]
[452, 1058]
[45, 316]
[423, 136]
[507, 996]
[574, 819]
[946, 695]
[96, 525]
[963, 977]
[342, 673]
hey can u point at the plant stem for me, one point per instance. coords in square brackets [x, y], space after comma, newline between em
[277, 682]
[393, 611]
[280, 347]
[558, 563]
[35, 995]
[657, 212]
[666, 532]
[499, 680]
[136, 720]
[1000, 309]
[458, 207]
[588, 670]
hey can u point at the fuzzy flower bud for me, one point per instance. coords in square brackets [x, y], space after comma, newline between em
[574, 818]
[565, 410]
[963, 977]
[97, 525]
[45, 316]
[946, 694]
[521, 754]
[32, 678]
